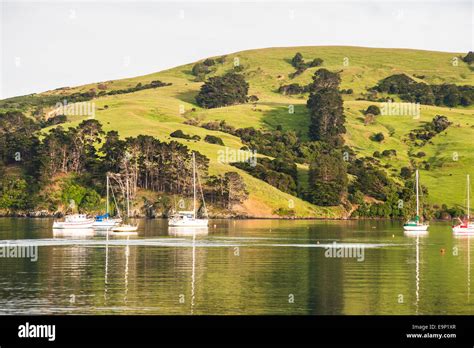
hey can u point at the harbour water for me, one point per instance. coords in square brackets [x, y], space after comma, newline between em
[238, 267]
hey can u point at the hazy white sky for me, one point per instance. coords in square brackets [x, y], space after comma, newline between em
[46, 45]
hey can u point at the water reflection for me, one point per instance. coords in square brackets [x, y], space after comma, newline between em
[188, 231]
[79, 233]
[466, 238]
[417, 235]
[237, 267]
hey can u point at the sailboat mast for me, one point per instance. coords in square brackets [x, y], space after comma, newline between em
[194, 185]
[468, 198]
[107, 204]
[417, 199]
[128, 199]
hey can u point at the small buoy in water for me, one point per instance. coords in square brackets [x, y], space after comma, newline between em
[393, 236]
[318, 242]
[374, 227]
[215, 225]
[442, 250]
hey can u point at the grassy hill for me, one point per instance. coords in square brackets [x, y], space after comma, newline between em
[158, 112]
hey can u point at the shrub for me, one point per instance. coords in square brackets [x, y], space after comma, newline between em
[409, 90]
[469, 58]
[373, 109]
[180, 134]
[389, 153]
[316, 62]
[209, 62]
[406, 173]
[224, 90]
[200, 69]
[292, 89]
[378, 137]
[297, 60]
[211, 139]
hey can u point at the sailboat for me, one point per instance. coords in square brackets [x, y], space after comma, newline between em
[465, 226]
[105, 221]
[74, 222]
[126, 228]
[415, 224]
[188, 218]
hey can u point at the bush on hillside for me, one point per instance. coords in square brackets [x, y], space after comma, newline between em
[378, 137]
[180, 134]
[224, 90]
[211, 139]
[373, 109]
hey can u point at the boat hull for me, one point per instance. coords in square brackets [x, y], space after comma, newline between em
[463, 229]
[58, 225]
[105, 224]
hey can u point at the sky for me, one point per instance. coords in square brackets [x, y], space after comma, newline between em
[47, 45]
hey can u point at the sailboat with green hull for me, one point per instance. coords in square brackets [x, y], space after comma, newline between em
[415, 224]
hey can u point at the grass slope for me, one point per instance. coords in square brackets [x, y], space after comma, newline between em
[157, 112]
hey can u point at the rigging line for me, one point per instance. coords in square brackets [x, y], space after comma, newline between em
[202, 193]
[115, 201]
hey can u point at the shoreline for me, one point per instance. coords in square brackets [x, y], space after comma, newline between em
[53, 216]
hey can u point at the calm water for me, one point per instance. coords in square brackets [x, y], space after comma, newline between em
[240, 267]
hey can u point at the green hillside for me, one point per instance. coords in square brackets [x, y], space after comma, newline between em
[158, 112]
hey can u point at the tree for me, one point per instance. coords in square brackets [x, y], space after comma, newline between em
[469, 58]
[324, 79]
[297, 60]
[14, 193]
[316, 62]
[224, 90]
[373, 109]
[378, 137]
[440, 123]
[200, 69]
[405, 173]
[327, 117]
[209, 62]
[328, 178]
[72, 195]
[211, 139]
[237, 190]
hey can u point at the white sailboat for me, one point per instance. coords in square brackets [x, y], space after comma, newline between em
[188, 218]
[74, 222]
[415, 225]
[105, 222]
[465, 226]
[126, 228]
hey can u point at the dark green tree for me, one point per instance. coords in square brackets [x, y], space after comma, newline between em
[327, 116]
[373, 109]
[328, 178]
[224, 90]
